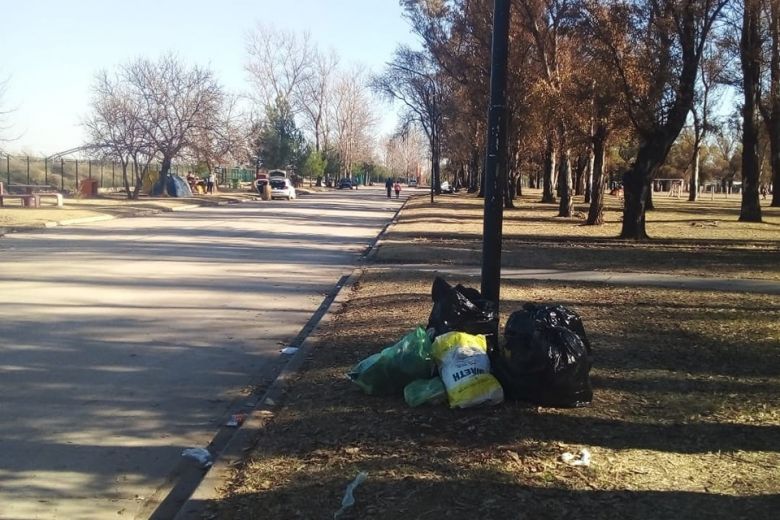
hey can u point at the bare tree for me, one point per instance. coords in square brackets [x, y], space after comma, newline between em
[113, 127]
[5, 125]
[351, 119]
[224, 140]
[769, 101]
[711, 71]
[414, 79]
[313, 94]
[403, 153]
[175, 104]
[279, 64]
[156, 110]
[750, 59]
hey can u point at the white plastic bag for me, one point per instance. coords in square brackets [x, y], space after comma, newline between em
[464, 368]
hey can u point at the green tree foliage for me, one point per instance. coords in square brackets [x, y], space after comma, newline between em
[314, 164]
[278, 142]
[333, 164]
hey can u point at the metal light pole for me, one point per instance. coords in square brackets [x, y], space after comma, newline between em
[495, 156]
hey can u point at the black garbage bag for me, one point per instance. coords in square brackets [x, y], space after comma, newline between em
[546, 357]
[461, 309]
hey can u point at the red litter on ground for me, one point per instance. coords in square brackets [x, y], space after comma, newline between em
[237, 419]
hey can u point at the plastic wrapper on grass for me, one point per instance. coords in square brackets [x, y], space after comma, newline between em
[425, 391]
[546, 357]
[460, 309]
[464, 367]
[389, 371]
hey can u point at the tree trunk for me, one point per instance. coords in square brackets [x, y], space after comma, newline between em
[565, 183]
[139, 177]
[317, 123]
[636, 187]
[435, 186]
[509, 177]
[649, 206]
[165, 168]
[514, 174]
[776, 181]
[591, 152]
[596, 190]
[579, 182]
[774, 120]
[435, 167]
[509, 191]
[589, 174]
[548, 196]
[694, 184]
[750, 54]
[126, 179]
[474, 170]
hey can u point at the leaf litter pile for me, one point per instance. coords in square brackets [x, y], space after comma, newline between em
[685, 421]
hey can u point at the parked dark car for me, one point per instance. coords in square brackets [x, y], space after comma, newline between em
[345, 184]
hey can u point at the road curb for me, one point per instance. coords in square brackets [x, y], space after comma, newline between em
[273, 399]
[373, 248]
[83, 220]
[183, 208]
[245, 437]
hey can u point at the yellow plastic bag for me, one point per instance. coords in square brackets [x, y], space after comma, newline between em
[464, 368]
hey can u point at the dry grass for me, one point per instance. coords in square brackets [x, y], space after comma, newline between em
[686, 413]
[702, 238]
[685, 420]
[14, 217]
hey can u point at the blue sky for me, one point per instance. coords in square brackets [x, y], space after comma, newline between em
[51, 49]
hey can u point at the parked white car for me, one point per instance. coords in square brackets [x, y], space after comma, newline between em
[281, 188]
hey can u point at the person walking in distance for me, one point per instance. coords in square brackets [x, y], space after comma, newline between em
[397, 189]
[210, 183]
[389, 187]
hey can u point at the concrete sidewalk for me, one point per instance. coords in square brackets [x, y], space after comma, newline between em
[620, 278]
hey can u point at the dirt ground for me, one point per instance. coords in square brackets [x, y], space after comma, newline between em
[684, 423]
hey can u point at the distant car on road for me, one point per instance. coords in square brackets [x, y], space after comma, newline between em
[413, 183]
[281, 188]
[445, 187]
[345, 184]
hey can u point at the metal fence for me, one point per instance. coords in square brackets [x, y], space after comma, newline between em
[65, 174]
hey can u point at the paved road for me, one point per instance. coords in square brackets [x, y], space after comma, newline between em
[123, 342]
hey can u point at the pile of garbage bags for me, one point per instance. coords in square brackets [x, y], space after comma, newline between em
[544, 357]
